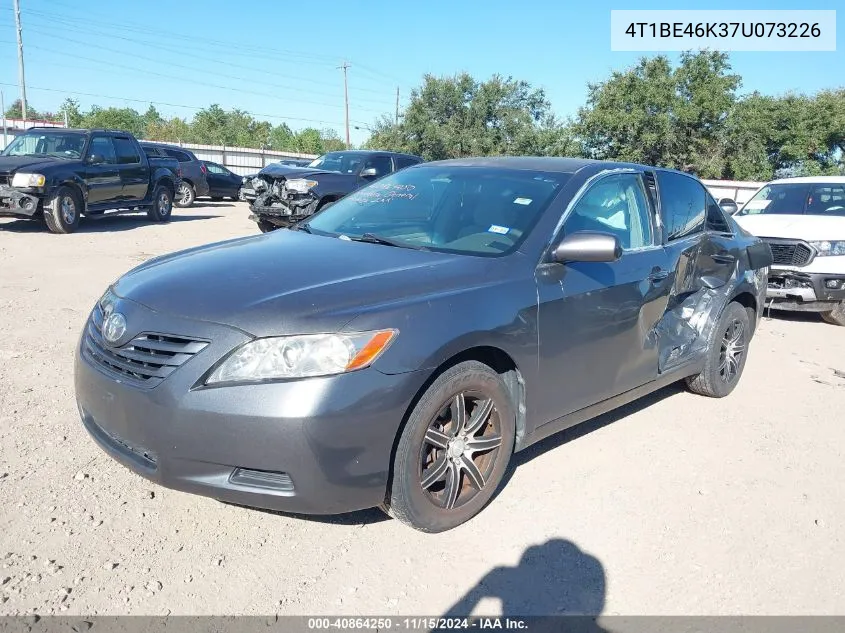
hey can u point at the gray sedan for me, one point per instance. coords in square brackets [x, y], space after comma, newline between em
[401, 345]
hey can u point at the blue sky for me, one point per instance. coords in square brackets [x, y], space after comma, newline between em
[279, 59]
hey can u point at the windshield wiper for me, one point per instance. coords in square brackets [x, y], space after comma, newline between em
[377, 239]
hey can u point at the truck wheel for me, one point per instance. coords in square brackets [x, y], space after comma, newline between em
[162, 205]
[61, 212]
[185, 196]
[727, 351]
[837, 315]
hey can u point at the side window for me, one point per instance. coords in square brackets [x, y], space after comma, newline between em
[102, 146]
[716, 220]
[126, 152]
[404, 161]
[381, 164]
[214, 168]
[616, 204]
[182, 157]
[826, 199]
[682, 203]
[151, 152]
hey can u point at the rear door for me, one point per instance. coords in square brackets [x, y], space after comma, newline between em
[102, 176]
[218, 180]
[597, 318]
[134, 172]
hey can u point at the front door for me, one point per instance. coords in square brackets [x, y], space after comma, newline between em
[102, 176]
[597, 319]
[134, 174]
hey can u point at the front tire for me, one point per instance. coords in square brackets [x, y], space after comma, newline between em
[727, 351]
[62, 211]
[835, 316]
[162, 206]
[185, 195]
[454, 449]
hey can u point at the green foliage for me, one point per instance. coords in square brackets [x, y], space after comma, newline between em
[450, 117]
[15, 111]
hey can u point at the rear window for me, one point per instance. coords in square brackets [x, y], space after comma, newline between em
[798, 198]
[182, 157]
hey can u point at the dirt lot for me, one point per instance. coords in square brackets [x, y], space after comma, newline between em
[676, 505]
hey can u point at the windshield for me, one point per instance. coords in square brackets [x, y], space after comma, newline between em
[798, 198]
[344, 162]
[56, 144]
[473, 210]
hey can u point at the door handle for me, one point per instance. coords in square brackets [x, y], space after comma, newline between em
[658, 275]
[723, 259]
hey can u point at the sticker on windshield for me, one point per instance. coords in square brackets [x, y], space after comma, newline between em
[495, 228]
[522, 201]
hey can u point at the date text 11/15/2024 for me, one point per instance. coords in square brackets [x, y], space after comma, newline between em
[417, 623]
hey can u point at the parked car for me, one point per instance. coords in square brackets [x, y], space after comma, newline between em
[194, 178]
[58, 175]
[285, 195]
[222, 182]
[429, 325]
[803, 219]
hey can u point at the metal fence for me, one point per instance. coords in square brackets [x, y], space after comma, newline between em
[241, 160]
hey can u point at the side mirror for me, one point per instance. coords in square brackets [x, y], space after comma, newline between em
[96, 159]
[588, 246]
[728, 205]
[369, 172]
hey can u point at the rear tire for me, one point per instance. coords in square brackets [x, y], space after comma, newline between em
[185, 195]
[454, 450]
[62, 211]
[727, 351]
[162, 206]
[835, 316]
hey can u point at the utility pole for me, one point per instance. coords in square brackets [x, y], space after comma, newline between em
[345, 99]
[21, 77]
[397, 105]
[3, 111]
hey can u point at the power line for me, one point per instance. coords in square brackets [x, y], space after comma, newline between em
[89, 31]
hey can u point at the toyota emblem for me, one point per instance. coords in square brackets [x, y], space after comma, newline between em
[114, 327]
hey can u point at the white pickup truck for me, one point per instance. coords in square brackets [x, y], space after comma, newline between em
[803, 220]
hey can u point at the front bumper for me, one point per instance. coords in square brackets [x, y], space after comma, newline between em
[16, 203]
[315, 446]
[803, 291]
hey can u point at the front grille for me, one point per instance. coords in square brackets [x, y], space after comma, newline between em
[144, 361]
[790, 252]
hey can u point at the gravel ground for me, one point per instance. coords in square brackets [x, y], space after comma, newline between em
[677, 504]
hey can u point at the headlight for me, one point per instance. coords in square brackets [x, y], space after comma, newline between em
[28, 180]
[107, 301]
[828, 247]
[300, 185]
[302, 356]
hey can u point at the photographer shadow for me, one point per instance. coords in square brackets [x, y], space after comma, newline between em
[556, 578]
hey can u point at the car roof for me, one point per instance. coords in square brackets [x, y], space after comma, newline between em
[371, 151]
[815, 180]
[560, 164]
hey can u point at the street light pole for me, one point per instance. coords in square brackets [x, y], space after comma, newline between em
[346, 102]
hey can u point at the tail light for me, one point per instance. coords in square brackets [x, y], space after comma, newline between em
[203, 168]
[178, 172]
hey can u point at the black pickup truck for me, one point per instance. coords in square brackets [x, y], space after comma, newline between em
[58, 175]
[284, 195]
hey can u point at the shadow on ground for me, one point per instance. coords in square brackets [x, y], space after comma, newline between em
[793, 316]
[553, 579]
[104, 225]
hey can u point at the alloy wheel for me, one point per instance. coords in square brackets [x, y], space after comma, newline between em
[163, 203]
[184, 194]
[68, 208]
[460, 448]
[731, 351]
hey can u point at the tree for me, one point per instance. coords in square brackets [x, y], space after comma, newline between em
[15, 111]
[70, 109]
[308, 141]
[450, 117]
[281, 138]
[658, 115]
[125, 119]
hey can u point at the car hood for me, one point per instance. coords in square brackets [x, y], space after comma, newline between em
[291, 282]
[796, 227]
[14, 163]
[289, 171]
